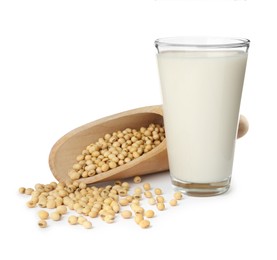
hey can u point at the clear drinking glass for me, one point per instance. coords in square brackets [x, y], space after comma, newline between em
[201, 80]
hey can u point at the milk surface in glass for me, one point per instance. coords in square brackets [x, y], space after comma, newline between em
[201, 100]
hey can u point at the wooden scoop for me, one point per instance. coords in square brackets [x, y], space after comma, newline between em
[64, 152]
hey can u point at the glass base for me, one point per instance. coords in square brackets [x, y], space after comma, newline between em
[201, 189]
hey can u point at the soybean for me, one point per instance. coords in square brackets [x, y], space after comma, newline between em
[178, 195]
[43, 214]
[42, 223]
[55, 216]
[72, 220]
[126, 214]
[144, 223]
[173, 202]
[87, 224]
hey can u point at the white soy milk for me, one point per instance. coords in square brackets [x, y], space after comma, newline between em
[201, 100]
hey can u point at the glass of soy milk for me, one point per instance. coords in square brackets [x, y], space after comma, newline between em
[201, 81]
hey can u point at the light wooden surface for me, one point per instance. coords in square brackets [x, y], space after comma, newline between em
[64, 152]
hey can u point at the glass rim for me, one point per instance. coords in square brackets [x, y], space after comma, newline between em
[202, 42]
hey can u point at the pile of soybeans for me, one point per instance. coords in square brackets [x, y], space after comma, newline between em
[109, 203]
[116, 149]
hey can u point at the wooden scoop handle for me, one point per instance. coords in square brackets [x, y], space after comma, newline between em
[243, 126]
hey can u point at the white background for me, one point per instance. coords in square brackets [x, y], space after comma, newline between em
[66, 63]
